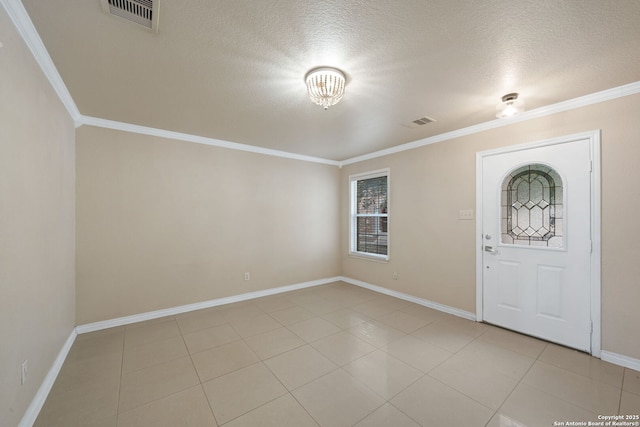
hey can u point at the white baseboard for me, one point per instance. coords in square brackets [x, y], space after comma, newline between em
[34, 408]
[105, 324]
[436, 306]
[620, 359]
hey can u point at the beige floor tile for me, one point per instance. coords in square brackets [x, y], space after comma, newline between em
[386, 416]
[342, 347]
[374, 308]
[482, 383]
[146, 385]
[528, 346]
[96, 344]
[451, 335]
[322, 307]
[383, 373]
[85, 372]
[157, 330]
[153, 353]
[306, 297]
[337, 399]
[583, 364]
[274, 303]
[255, 325]
[345, 318]
[241, 391]
[299, 366]
[417, 353]
[404, 322]
[205, 339]
[490, 358]
[188, 408]
[240, 310]
[292, 315]
[630, 404]
[74, 417]
[282, 412]
[223, 359]
[432, 403]
[85, 388]
[631, 381]
[274, 342]
[530, 407]
[89, 403]
[581, 391]
[313, 329]
[201, 319]
[376, 333]
[347, 297]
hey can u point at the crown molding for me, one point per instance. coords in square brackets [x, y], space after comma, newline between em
[144, 130]
[20, 18]
[583, 101]
[25, 27]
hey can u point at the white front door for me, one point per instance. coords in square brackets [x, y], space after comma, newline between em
[536, 241]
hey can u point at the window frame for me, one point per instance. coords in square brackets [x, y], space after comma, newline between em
[353, 214]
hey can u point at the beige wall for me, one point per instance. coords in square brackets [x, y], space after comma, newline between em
[434, 252]
[37, 292]
[162, 223]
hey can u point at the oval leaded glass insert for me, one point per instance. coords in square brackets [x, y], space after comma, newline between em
[532, 207]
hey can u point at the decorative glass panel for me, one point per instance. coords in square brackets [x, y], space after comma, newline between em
[531, 206]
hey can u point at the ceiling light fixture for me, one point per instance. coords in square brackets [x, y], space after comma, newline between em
[325, 86]
[510, 106]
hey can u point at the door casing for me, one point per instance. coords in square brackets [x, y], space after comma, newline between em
[594, 141]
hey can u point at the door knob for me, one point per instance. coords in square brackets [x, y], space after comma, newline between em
[490, 249]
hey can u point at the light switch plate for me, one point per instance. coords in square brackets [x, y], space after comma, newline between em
[465, 214]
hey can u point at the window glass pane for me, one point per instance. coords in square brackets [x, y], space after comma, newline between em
[372, 195]
[532, 207]
[370, 237]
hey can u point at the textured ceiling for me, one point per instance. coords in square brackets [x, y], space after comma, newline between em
[233, 70]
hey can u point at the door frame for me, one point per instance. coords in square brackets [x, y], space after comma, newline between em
[594, 143]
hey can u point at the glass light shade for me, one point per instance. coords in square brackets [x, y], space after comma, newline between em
[510, 106]
[325, 86]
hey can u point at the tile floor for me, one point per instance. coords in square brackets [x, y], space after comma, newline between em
[333, 355]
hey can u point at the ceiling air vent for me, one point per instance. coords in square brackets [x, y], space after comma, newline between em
[423, 121]
[419, 122]
[142, 12]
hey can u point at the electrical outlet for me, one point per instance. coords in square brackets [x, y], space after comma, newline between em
[247, 276]
[395, 275]
[25, 370]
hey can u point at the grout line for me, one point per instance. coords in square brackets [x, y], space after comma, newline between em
[624, 372]
[124, 337]
[196, 371]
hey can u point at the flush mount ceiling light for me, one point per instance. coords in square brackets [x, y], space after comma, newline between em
[510, 106]
[325, 86]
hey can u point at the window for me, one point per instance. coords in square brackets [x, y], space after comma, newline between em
[370, 214]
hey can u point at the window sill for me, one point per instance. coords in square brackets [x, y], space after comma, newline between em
[369, 257]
